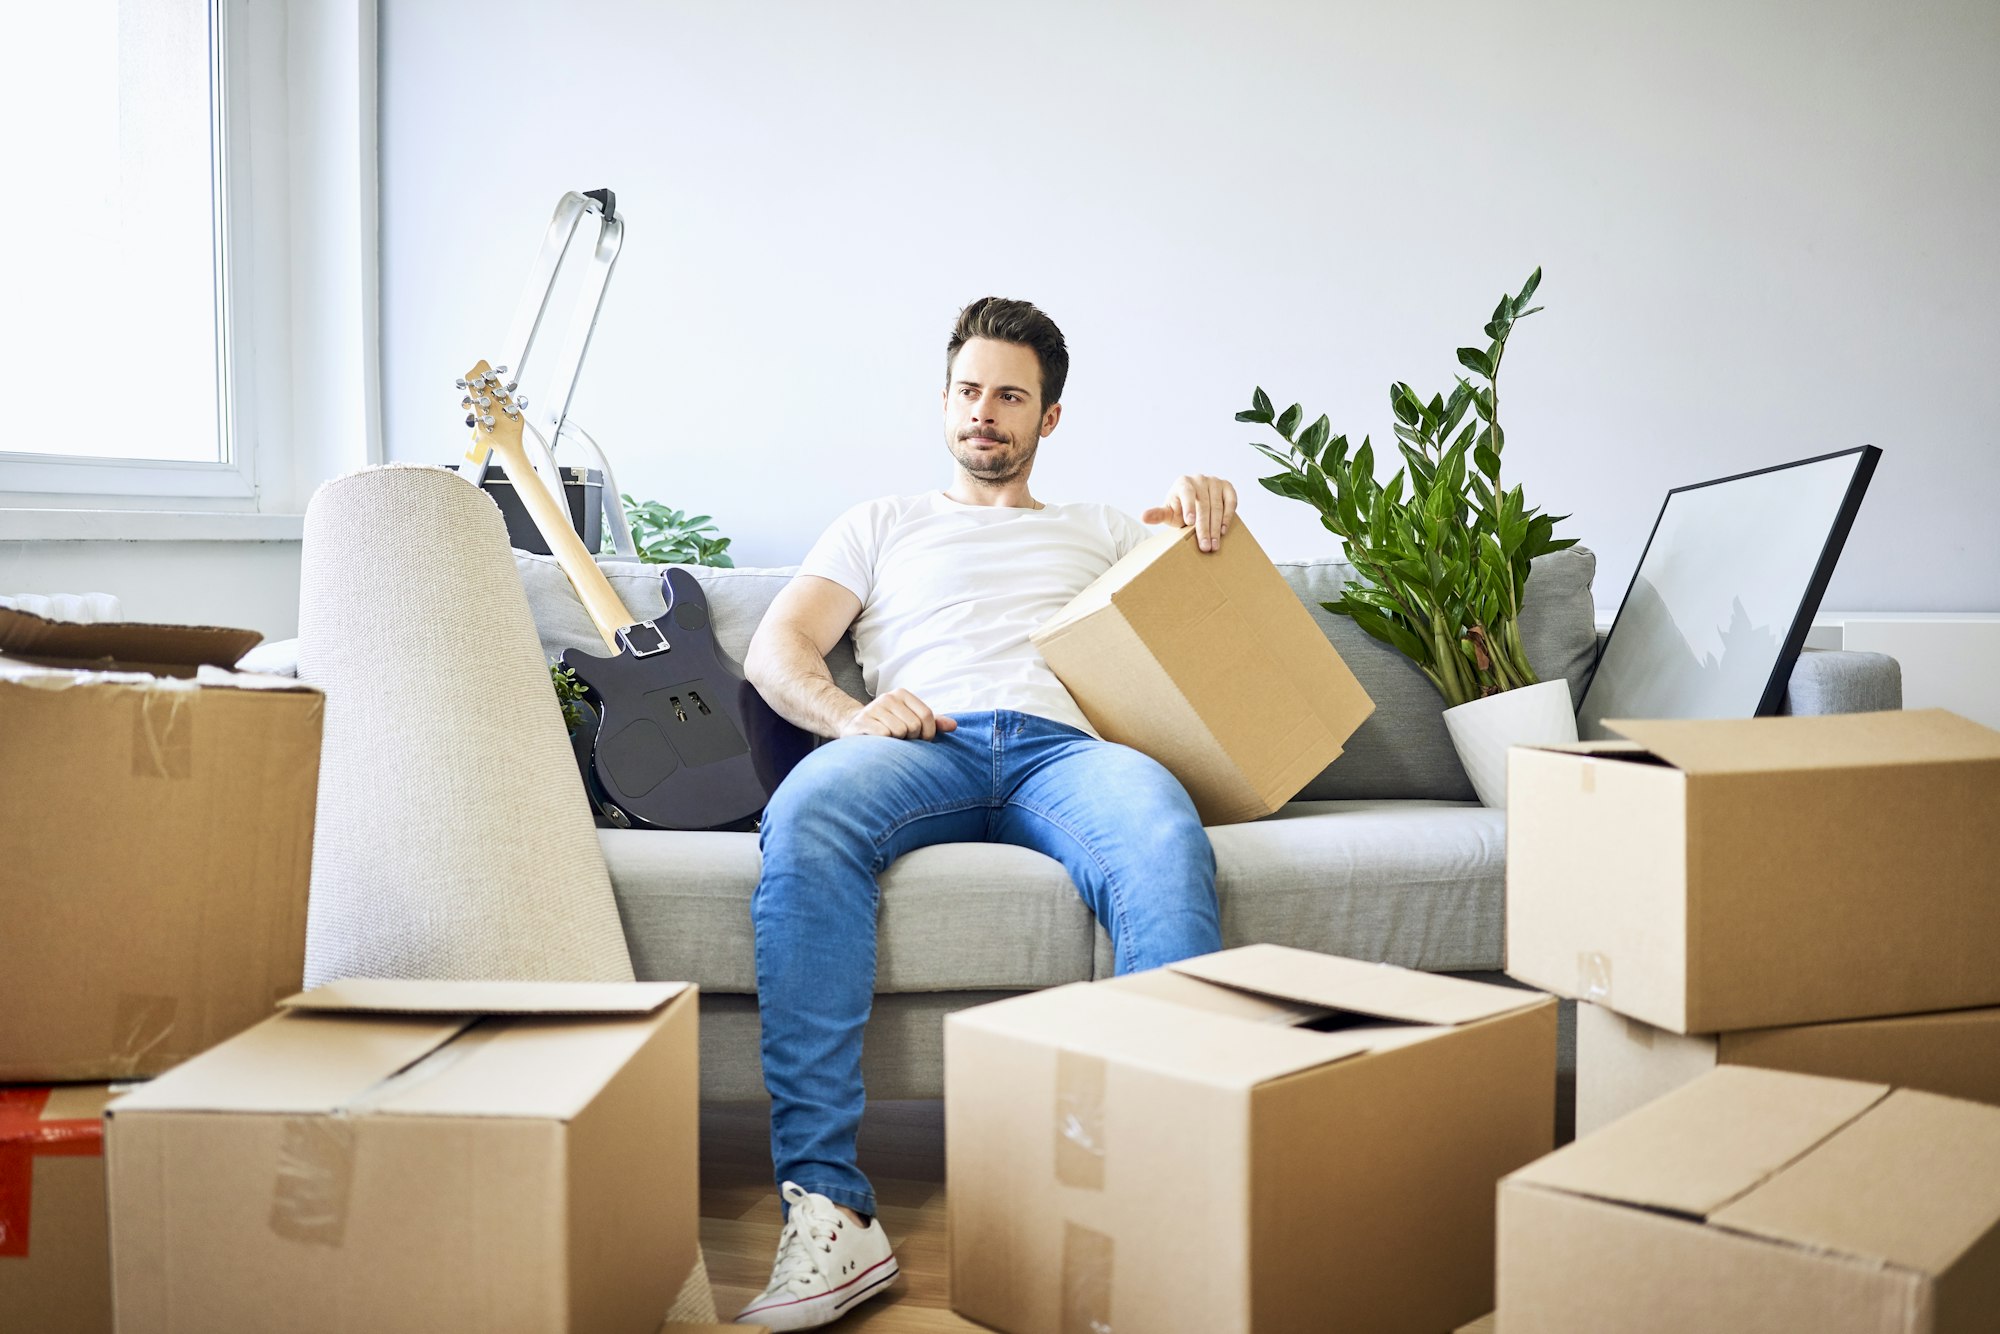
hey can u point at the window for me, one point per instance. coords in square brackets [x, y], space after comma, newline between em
[117, 276]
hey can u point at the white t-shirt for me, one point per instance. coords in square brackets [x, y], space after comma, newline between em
[950, 593]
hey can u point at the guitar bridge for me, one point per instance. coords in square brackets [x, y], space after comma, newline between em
[643, 640]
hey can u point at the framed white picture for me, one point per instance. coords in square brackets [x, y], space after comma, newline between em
[1725, 592]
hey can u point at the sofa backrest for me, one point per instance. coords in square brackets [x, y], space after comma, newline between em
[1401, 752]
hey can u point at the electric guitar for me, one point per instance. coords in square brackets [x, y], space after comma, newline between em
[681, 740]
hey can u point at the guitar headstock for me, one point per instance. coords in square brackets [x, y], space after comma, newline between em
[493, 413]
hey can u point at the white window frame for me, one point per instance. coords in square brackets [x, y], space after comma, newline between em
[295, 119]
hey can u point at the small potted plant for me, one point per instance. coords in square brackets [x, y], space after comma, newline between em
[1442, 551]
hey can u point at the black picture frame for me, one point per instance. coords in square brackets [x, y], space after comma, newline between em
[1589, 720]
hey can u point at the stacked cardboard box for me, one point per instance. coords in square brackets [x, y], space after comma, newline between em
[1758, 1199]
[1817, 895]
[154, 858]
[1262, 1139]
[420, 1156]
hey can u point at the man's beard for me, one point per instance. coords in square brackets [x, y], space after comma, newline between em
[998, 466]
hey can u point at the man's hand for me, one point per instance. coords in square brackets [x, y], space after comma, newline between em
[1205, 504]
[897, 714]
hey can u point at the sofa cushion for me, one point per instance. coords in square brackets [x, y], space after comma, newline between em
[1412, 883]
[1403, 749]
[953, 917]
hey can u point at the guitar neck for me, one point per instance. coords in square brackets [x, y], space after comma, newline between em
[553, 521]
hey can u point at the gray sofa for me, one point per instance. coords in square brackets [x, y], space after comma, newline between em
[1384, 856]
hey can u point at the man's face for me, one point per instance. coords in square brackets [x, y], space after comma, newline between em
[993, 413]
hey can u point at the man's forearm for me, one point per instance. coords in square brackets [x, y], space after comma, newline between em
[792, 677]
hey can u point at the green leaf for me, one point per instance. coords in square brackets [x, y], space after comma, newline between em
[1498, 330]
[1488, 461]
[1315, 436]
[1261, 402]
[1528, 288]
[1476, 361]
[1404, 404]
[1261, 418]
[1288, 421]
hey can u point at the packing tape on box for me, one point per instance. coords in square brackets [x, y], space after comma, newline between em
[316, 1154]
[1593, 977]
[163, 730]
[140, 1025]
[1086, 1280]
[315, 1177]
[1080, 1120]
[24, 1137]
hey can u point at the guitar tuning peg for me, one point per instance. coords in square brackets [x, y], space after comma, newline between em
[499, 370]
[512, 385]
[522, 401]
[511, 410]
[471, 420]
[461, 382]
[465, 402]
[487, 421]
[482, 400]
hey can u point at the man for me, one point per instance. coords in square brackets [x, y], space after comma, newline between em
[969, 737]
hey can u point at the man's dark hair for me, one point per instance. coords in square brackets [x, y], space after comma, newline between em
[1014, 322]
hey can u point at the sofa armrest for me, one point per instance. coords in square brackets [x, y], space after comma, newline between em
[1843, 681]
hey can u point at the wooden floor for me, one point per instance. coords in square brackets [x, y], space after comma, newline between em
[901, 1150]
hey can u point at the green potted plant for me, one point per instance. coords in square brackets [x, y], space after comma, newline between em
[1442, 551]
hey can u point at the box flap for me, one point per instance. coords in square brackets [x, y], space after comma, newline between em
[1129, 1028]
[295, 1063]
[1705, 1143]
[130, 643]
[1828, 741]
[1099, 592]
[1909, 1183]
[383, 995]
[1378, 989]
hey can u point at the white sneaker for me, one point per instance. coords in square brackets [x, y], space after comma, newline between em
[827, 1265]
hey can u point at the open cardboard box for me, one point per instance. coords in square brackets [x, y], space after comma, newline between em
[1623, 1063]
[416, 1156]
[1207, 662]
[1755, 1199]
[156, 846]
[1709, 876]
[1261, 1139]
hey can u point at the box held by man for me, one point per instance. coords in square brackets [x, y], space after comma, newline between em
[1207, 662]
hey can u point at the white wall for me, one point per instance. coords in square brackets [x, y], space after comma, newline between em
[1768, 231]
[254, 585]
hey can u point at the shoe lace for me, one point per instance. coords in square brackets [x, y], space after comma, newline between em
[808, 1234]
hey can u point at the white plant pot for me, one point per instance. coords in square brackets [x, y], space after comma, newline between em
[1483, 729]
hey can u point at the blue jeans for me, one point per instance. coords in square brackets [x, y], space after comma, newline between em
[1121, 825]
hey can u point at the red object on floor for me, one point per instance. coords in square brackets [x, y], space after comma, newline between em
[24, 1137]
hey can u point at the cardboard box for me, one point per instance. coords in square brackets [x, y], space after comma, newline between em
[1759, 1200]
[55, 1255]
[1623, 1064]
[156, 845]
[1261, 1139]
[1208, 662]
[416, 1156]
[1711, 876]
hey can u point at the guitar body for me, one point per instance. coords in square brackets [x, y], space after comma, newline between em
[682, 740]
